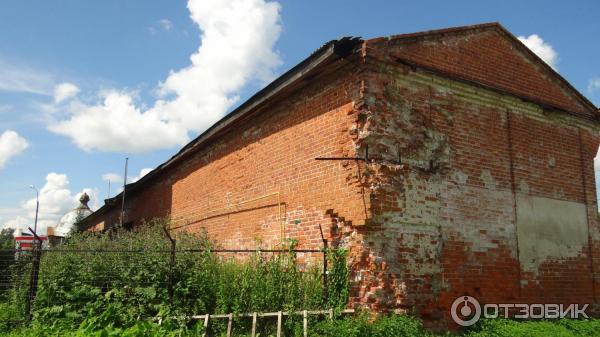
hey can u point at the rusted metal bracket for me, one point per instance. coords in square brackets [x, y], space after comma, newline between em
[365, 158]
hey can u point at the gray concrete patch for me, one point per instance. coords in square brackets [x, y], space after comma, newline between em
[549, 229]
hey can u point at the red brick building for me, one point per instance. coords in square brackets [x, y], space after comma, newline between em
[473, 172]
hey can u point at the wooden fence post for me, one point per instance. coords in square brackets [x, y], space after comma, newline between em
[230, 325]
[254, 324]
[305, 323]
[206, 317]
[279, 316]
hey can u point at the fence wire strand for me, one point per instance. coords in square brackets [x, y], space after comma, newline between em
[102, 273]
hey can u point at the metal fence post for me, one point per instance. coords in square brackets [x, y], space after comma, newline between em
[36, 252]
[325, 276]
[171, 265]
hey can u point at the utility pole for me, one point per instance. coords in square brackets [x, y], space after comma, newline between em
[37, 206]
[123, 199]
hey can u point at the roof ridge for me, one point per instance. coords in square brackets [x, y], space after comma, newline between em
[449, 30]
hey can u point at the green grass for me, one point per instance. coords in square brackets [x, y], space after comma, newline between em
[385, 326]
[558, 328]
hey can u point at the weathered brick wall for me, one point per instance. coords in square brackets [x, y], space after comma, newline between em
[153, 201]
[452, 166]
[274, 153]
[271, 157]
[486, 56]
[449, 204]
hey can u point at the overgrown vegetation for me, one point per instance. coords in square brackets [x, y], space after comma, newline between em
[7, 240]
[117, 284]
[7, 244]
[118, 279]
[555, 328]
[386, 326]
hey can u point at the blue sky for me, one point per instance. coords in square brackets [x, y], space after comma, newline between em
[121, 57]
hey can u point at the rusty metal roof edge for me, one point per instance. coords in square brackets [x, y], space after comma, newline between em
[440, 31]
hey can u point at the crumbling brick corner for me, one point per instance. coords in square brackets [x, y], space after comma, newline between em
[470, 191]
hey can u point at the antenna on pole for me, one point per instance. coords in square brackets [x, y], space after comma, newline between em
[123, 199]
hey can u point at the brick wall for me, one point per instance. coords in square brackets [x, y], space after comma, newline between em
[486, 56]
[440, 211]
[274, 153]
[262, 175]
[452, 162]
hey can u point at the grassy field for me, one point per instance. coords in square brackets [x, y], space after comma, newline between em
[388, 326]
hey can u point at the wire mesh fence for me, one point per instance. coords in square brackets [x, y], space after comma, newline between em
[52, 283]
[121, 277]
[15, 279]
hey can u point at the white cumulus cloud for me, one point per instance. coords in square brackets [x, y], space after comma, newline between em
[15, 77]
[166, 24]
[142, 173]
[64, 91]
[11, 144]
[112, 177]
[55, 199]
[236, 46]
[118, 125]
[115, 177]
[594, 84]
[541, 48]
[117, 180]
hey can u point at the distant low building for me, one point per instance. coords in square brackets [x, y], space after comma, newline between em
[24, 241]
[55, 235]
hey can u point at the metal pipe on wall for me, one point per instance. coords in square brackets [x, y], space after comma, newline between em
[235, 206]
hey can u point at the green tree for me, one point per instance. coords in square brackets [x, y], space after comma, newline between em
[7, 259]
[78, 225]
[7, 240]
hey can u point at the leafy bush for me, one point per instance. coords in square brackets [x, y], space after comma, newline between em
[13, 299]
[384, 326]
[338, 279]
[123, 277]
[392, 326]
[512, 328]
[583, 327]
